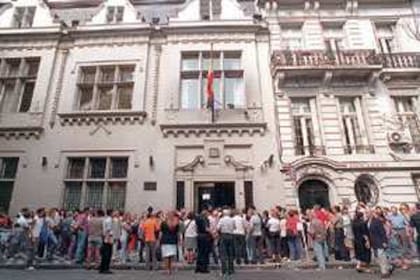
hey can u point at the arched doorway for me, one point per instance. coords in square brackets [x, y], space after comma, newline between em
[313, 192]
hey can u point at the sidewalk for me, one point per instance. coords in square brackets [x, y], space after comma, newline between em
[301, 265]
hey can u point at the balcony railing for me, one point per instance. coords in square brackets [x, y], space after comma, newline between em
[401, 60]
[309, 150]
[359, 149]
[324, 59]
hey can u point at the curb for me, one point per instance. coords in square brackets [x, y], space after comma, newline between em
[286, 266]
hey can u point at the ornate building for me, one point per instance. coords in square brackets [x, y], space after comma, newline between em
[103, 103]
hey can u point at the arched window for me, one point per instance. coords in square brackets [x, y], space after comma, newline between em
[366, 190]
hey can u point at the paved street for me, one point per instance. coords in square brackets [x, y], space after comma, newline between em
[188, 275]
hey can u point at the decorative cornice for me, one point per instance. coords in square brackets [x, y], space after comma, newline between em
[94, 118]
[215, 129]
[189, 167]
[21, 132]
[230, 160]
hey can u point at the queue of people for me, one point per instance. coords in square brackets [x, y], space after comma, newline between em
[95, 239]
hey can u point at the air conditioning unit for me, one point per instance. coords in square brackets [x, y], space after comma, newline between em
[398, 137]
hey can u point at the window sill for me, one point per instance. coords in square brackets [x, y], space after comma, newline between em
[102, 117]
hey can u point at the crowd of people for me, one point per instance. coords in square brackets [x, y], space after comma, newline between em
[94, 238]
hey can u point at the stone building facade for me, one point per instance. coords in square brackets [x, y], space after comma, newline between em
[103, 103]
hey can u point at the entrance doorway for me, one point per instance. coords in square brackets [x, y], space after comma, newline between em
[214, 195]
[313, 192]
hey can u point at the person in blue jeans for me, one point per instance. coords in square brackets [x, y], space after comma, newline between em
[82, 230]
[293, 238]
[318, 232]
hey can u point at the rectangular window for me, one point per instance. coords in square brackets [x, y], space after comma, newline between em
[292, 37]
[351, 121]
[115, 14]
[228, 84]
[303, 125]
[8, 170]
[23, 17]
[106, 88]
[406, 109]
[17, 84]
[150, 186]
[180, 195]
[96, 182]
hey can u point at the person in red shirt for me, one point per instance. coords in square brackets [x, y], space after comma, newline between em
[293, 239]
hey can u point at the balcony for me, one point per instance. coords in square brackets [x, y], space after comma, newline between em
[400, 65]
[321, 64]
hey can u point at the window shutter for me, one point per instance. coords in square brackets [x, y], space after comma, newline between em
[216, 7]
[120, 14]
[205, 9]
[312, 32]
[354, 34]
[110, 14]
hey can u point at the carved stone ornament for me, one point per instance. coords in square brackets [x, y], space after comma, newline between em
[208, 130]
[189, 167]
[95, 118]
[20, 132]
[229, 160]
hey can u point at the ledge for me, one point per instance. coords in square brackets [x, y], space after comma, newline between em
[213, 129]
[94, 118]
[21, 132]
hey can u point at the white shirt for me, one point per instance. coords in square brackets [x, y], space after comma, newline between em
[273, 224]
[256, 225]
[36, 230]
[190, 228]
[239, 225]
[226, 225]
[283, 228]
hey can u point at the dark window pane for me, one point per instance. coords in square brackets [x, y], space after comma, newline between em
[116, 196]
[94, 195]
[76, 168]
[6, 191]
[72, 195]
[150, 186]
[26, 101]
[97, 168]
[86, 96]
[119, 167]
[88, 75]
[8, 167]
[32, 67]
[180, 195]
[105, 98]
[124, 97]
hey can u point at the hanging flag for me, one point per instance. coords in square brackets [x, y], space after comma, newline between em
[210, 90]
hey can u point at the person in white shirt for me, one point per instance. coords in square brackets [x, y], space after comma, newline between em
[239, 240]
[255, 236]
[190, 238]
[226, 227]
[273, 225]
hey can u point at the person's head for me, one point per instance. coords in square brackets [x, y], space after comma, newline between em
[345, 210]
[394, 210]
[418, 206]
[190, 215]
[100, 213]
[227, 212]
[378, 212]
[359, 215]
[109, 212]
[336, 209]
[404, 208]
[251, 211]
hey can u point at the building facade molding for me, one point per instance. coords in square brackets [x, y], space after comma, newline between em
[215, 129]
[18, 133]
[105, 118]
